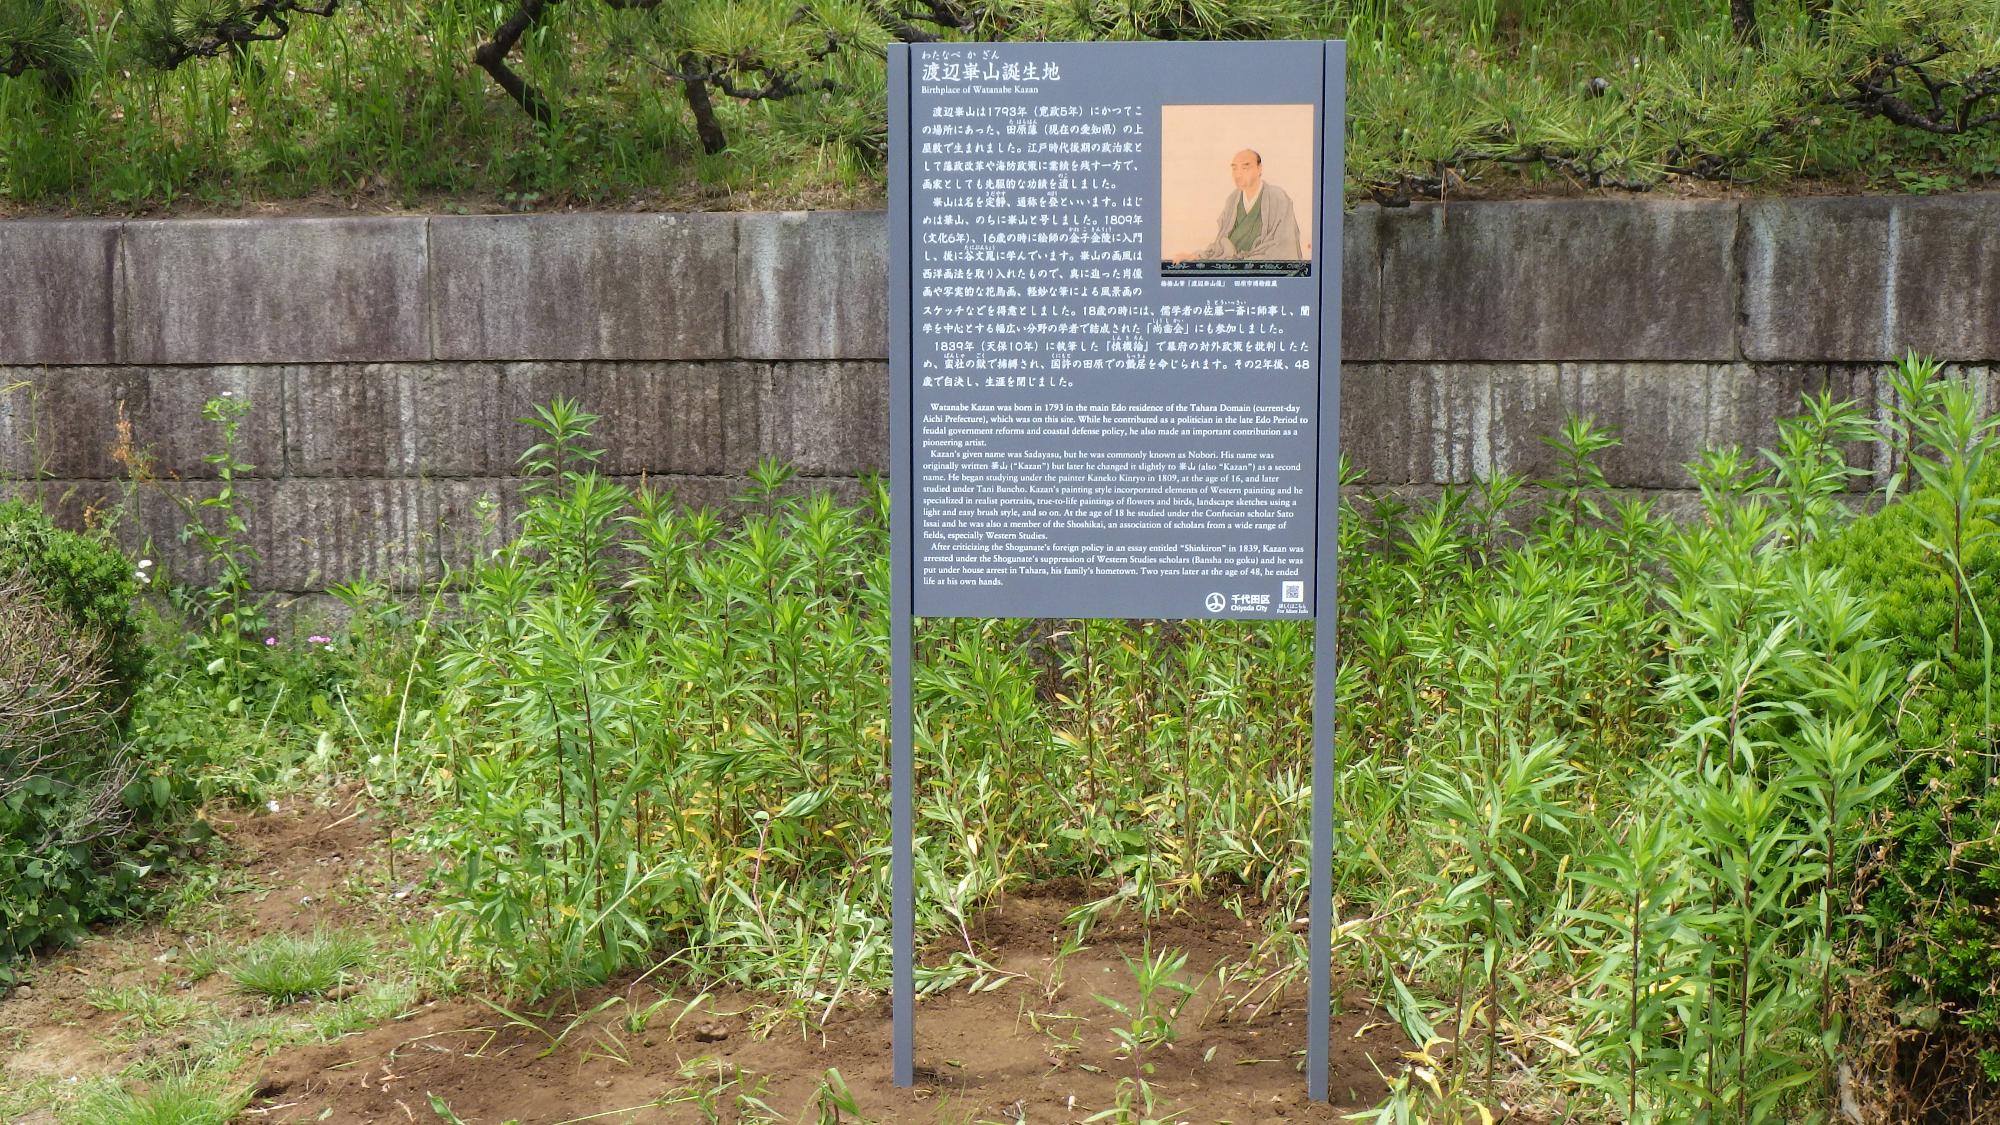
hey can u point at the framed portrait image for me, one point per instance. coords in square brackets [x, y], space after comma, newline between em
[1236, 190]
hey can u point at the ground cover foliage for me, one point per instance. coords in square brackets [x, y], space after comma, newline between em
[1639, 818]
[135, 104]
[1614, 791]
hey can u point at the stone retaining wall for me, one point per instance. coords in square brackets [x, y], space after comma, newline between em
[387, 358]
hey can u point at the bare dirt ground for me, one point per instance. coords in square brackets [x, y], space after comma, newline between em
[1038, 1048]
[290, 871]
[1008, 1055]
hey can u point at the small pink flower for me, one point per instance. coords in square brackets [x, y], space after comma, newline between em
[268, 641]
[319, 640]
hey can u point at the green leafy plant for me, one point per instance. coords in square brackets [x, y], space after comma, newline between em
[69, 791]
[1135, 1103]
[1643, 967]
[220, 523]
[1752, 866]
[145, 1011]
[833, 1103]
[722, 1091]
[1953, 444]
[1499, 816]
[1150, 1019]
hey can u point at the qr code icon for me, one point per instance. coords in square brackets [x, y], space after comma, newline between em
[1294, 591]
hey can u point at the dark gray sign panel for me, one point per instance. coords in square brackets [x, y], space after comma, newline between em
[1114, 363]
[1118, 277]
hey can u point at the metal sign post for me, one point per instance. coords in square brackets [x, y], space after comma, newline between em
[1319, 938]
[1114, 330]
[902, 752]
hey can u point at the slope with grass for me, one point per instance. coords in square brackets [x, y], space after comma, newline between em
[385, 104]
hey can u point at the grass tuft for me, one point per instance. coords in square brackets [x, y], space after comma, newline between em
[186, 1099]
[290, 967]
[144, 1010]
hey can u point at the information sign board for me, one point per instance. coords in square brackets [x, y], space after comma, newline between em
[1114, 363]
[1118, 281]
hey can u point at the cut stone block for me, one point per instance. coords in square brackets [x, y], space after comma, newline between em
[584, 286]
[1945, 292]
[57, 291]
[1558, 280]
[813, 285]
[272, 290]
[1361, 285]
[1815, 275]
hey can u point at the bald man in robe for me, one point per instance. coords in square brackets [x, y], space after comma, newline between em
[1257, 223]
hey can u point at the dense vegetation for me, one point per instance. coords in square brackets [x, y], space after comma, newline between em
[1934, 908]
[82, 818]
[722, 103]
[1652, 820]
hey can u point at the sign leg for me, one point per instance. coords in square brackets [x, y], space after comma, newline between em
[902, 594]
[902, 874]
[1326, 576]
[1319, 989]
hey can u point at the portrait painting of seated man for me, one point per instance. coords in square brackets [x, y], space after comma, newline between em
[1255, 222]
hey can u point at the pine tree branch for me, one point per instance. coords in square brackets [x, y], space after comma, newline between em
[1952, 106]
[166, 41]
[903, 19]
[491, 57]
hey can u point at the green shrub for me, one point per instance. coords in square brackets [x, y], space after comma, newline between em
[89, 579]
[61, 776]
[87, 812]
[1937, 905]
